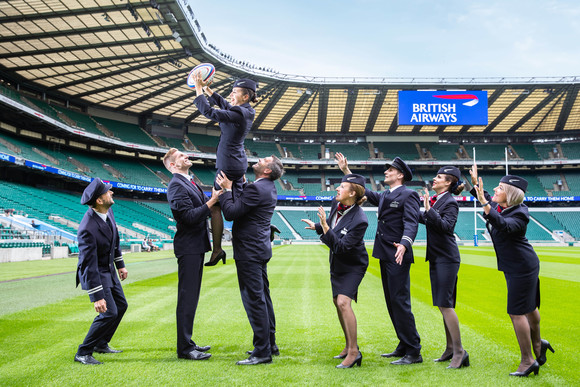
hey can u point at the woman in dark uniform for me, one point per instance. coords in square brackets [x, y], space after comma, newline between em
[439, 218]
[235, 119]
[507, 220]
[344, 235]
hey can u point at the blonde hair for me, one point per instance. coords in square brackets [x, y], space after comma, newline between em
[169, 158]
[513, 194]
[359, 191]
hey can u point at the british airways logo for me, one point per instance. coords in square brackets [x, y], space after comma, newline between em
[473, 100]
[442, 108]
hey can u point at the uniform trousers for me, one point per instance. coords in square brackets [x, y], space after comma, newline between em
[397, 289]
[255, 292]
[189, 271]
[105, 324]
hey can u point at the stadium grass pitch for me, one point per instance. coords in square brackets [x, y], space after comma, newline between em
[43, 318]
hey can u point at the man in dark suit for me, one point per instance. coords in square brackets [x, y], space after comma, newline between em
[190, 208]
[251, 213]
[235, 119]
[398, 217]
[99, 256]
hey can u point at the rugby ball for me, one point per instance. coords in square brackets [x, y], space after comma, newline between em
[207, 72]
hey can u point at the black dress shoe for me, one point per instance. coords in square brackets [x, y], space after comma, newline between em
[408, 359]
[357, 361]
[106, 349]
[444, 358]
[195, 355]
[87, 359]
[253, 360]
[213, 262]
[202, 349]
[273, 349]
[464, 361]
[393, 354]
[545, 346]
[535, 368]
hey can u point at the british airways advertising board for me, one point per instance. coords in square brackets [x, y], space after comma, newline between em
[442, 107]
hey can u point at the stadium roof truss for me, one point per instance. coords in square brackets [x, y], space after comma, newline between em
[134, 56]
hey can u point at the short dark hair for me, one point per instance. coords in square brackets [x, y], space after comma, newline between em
[276, 167]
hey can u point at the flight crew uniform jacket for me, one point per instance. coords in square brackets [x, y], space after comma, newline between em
[398, 218]
[99, 254]
[251, 212]
[346, 240]
[187, 203]
[235, 123]
[440, 223]
[507, 228]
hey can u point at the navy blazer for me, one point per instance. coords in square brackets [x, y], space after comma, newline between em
[251, 212]
[440, 224]
[235, 123]
[189, 210]
[514, 253]
[99, 254]
[346, 240]
[398, 221]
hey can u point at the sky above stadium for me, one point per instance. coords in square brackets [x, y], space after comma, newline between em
[388, 38]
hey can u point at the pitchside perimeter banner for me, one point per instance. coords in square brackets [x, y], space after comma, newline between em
[442, 107]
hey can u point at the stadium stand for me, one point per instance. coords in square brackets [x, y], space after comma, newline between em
[444, 151]
[262, 149]
[390, 150]
[526, 152]
[353, 151]
[127, 132]
[570, 223]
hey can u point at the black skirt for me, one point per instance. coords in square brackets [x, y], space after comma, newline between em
[346, 284]
[444, 283]
[523, 292]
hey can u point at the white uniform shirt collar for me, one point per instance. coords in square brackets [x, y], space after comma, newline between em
[102, 216]
[188, 177]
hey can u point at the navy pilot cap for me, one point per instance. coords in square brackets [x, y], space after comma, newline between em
[516, 181]
[94, 190]
[354, 179]
[246, 84]
[401, 166]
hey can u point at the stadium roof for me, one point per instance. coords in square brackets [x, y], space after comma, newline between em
[134, 56]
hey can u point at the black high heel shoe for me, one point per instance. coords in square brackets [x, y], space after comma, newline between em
[545, 346]
[535, 368]
[444, 358]
[342, 356]
[213, 262]
[357, 361]
[464, 361]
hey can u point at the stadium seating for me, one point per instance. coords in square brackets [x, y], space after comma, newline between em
[547, 220]
[204, 143]
[262, 149]
[36, 203]
[526, 152]
[127, 132]
[571, 150]
[406, 151]
[353, 151]
[570, 222]
[443, 151]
